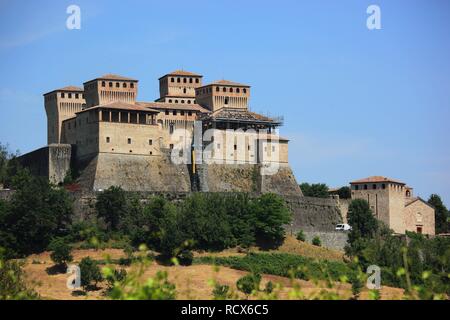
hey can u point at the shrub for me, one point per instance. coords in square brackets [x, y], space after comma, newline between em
[12, 283]
[249, 283]
[221, 292]
[90, 273]
[316, 241]
[185, 257]
[301, 236]
[61, 251]
[116, 276]
[269, 287]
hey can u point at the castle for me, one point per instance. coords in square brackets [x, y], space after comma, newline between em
[194, 137]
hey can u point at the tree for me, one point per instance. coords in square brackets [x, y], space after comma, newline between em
[61, 252]
[442, 215]
[90, 273]
[344, 193]
[271, 214]
[363, 223]
[12, 282]
[249, 283]
[5, 166]
[36, 213]
[319, 190]
[111, 205]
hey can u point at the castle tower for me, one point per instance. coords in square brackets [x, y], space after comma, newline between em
[60, 105]
[109, 88]
[386, 198]
[223, 94]
[179, 87]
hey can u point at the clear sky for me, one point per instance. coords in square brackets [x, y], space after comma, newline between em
[356, 102]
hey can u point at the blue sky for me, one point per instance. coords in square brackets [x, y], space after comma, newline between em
[356, 102]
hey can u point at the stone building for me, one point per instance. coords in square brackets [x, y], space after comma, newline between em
[392, 202]
[115, 139]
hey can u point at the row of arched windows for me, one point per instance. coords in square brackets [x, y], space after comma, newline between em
[224, 89]
[70, 95]
[185, 80]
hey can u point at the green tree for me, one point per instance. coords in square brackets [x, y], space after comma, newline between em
[442, 215]
[90, 273]
[36, 213]
[249, 283]
[344, 193]
[60, 251]
[12, 282]
[271, 214]
[319, 190]
[363, 223]
[7, 159]
[111, 205]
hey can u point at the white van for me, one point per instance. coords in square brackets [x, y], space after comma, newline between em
[343, 227]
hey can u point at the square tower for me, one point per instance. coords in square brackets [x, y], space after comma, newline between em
[61, 104]
[386, 198]
[110, 88]
[223, 94]
[179, 87]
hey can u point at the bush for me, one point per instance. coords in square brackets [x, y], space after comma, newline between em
[316, 241]
[269, 287]
[90, 273]
[221, 292]
[185, 257]
[116, 276]
[12, 283]
[249, 283]
[60, 251]
[301, 236]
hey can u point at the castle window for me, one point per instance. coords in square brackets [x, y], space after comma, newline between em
[108, 139]
[244, 90]
[231, 89]
[176, 101]
[356, 187]
[150, 142]
[184, 80]
[151, 152]
[182, 112]
[174, 112]
[235, 147]
[374, 186]
[117, 85]
[110, 84]
[170, 100]
[77, 95]
[224, 89]
[103, 84]
[217, 89]
[238, 90]
[62, 94]
[132, 85]
[226, 100]
[365, 187]
[184, 90]
[190, 80]
[189, 113]
[189, 101]
[131, 151]
[124, 85]
[383, 186]
[69, 95]
[167, 112]
[172, 80]
[178, 80]
[171, 146]
[129, 140]
[408, 193]
[182, 101]
[197, 81]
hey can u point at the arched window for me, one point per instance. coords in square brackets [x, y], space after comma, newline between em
[408, 193]
[178, 80]
[238, 90]
[182, 101]
[172, 80]
[103, 84]
[217, 89]
[69, 95]
[374, 186]
[189, 101]
[365, 187]
[190, 80]
[124, 85]
[170, 100]
[245, 90]
[184, 90]
[110, 84]
[197, 81]
[117, 85]
[62, 94]
[176, 101]
[184, 80]
[383, 186]
[132, 85]
[224, 89]
[231, 89]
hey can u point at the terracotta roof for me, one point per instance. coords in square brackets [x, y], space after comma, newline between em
[376, 179]
[173, 106]
[182, 73]
[239, 115]
[227, 83]
[68, 88]
[121, 106]
[111, 76]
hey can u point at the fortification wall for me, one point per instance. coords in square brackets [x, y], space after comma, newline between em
[331, 240]
[313, 214]
[51, 162]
